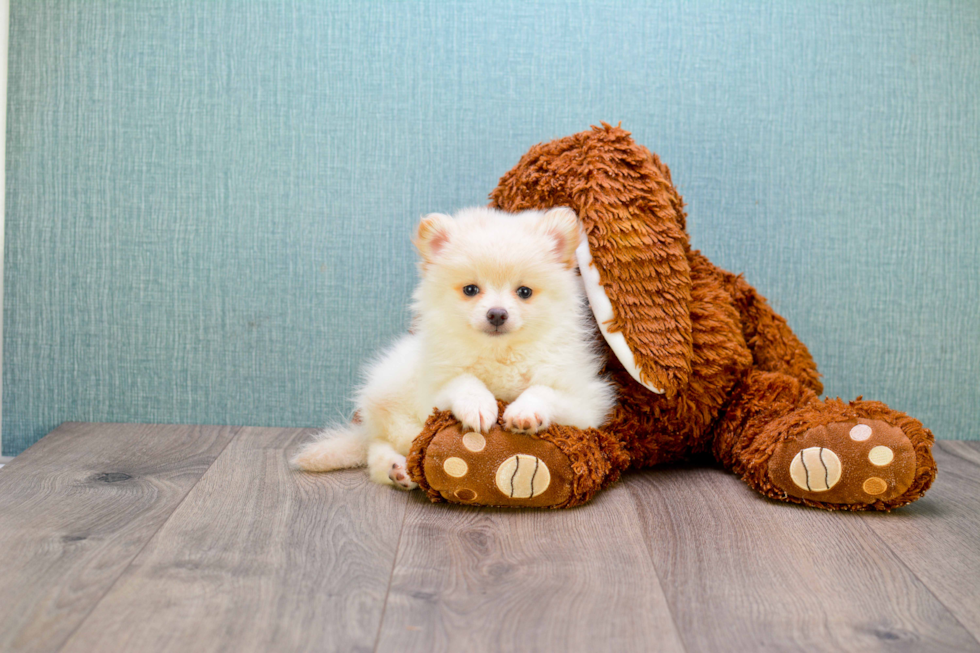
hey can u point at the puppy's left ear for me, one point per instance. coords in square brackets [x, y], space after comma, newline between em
[562, 226]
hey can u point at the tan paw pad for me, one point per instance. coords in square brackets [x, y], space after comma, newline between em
[874, 486]
[456, 467]
[816, 469]
[465, 494]
[860, 433]
[881, 456]
[523, 476]
[474, 442]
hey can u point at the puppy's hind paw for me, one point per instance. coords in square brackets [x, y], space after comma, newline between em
[399, 476]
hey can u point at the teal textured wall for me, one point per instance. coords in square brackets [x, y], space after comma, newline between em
[209, 203]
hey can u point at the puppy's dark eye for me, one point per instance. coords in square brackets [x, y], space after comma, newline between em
[524, 292]
[471, 290]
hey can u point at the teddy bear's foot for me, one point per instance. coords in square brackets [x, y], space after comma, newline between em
[497, 468]
[857, 461]
[560, 467]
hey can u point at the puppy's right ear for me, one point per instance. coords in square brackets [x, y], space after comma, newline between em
[562, 226]
[432, 235]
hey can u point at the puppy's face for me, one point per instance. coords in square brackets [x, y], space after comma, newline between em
[495, 301]
[492, 275]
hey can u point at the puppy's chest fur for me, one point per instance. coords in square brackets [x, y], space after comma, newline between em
[506, 375]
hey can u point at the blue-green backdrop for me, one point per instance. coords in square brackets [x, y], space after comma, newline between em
[209, 202]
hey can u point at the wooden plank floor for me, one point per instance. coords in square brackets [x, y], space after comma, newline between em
[167, 538]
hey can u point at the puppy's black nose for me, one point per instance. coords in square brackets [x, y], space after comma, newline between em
[497, 316]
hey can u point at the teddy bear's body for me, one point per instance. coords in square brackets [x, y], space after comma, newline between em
[727, 315]
[710, 367]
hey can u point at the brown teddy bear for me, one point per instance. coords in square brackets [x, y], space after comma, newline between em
[701, 362]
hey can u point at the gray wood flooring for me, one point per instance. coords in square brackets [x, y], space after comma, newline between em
[117, 537]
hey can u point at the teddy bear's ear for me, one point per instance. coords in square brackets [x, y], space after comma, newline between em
[432, 235]
[637, 243]
[561, 225]
[640, 302]
[636, 251]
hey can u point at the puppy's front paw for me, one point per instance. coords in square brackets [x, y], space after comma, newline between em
[399, 475]
[477, 412]
[527, 415]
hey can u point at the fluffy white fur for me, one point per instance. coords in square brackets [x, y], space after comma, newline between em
[541, 359]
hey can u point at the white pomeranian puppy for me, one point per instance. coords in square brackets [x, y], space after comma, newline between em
[499, 314]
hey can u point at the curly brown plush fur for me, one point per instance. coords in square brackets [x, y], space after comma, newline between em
[737, 382]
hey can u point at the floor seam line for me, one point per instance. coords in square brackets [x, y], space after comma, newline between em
[391, 576]
[122, 572]
[653, 564]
